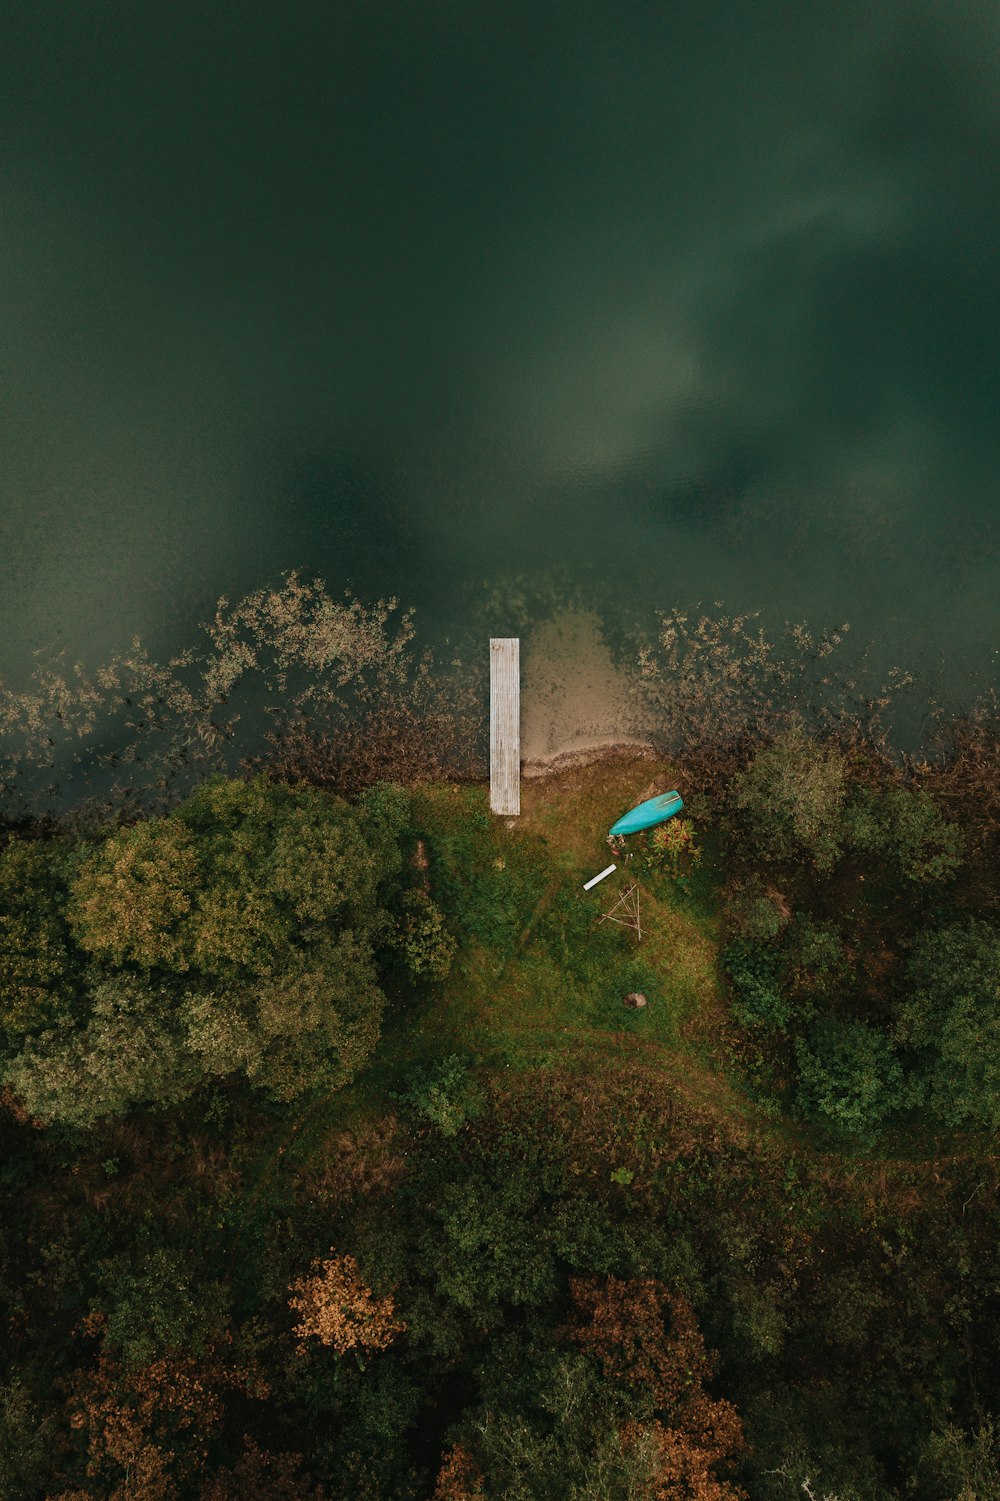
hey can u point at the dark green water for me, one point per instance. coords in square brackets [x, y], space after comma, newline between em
[695, 301]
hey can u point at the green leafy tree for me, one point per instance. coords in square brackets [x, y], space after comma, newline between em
[491, 1245]
[240, 873]
[566, 1444]
[130, 1051]
[311, 1025]
[959, 1466]
[246, 923]
[950, 1014]
[133, 898]
[157, 1304]
[903, 827]
[25, 1439]
[317, 1021]
[849, 1077]
[38, 962]
[279, 865]
[790, 800]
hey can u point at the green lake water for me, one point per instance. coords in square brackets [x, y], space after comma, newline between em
[660, 302]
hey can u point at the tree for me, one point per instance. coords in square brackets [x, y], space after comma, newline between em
[244, 925]
[565, 1442]
[279, 865]
[312, 1025]
[237, 876]
[339, 1311]
[647, 1339]
[958, 1466]
[259, 1475]
[849, 1077]
[459, 1478]
[792, 794]
[683, 1466]
[903, 827]
[147, 1430]
[154, 1306]
[25, 1440]
[130, 1051]
[133, 898]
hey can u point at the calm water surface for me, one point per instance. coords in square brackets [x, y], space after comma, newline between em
[691, 302]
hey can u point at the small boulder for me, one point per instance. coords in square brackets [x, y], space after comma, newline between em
[634, 1000]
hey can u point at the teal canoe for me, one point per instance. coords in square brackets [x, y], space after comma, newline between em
[653, 811]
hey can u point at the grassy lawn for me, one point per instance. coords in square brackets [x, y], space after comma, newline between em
[539, 970]
[538, 979]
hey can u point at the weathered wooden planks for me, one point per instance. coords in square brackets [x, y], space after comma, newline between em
[505, 725]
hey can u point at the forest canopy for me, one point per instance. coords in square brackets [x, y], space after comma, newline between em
[234, 936]
[338, 1163]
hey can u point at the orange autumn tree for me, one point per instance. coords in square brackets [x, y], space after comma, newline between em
[147, 1431]
[260, 1475]
[459, 1478]
[648, 1338]
[337, 1309]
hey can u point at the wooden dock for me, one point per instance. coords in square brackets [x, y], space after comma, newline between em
[505, 725]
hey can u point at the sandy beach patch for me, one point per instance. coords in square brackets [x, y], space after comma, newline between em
[576, 705]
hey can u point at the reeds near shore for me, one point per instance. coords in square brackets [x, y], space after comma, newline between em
[336, 692]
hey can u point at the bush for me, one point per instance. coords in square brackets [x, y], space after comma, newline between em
[815, 951]
[950, 1014]
[790, 799]
[904, 828]
[816, 946]
[753, 914]
[849, 1078]
[427, 946]
[443, 1093]
[671, 850]
[755, 975]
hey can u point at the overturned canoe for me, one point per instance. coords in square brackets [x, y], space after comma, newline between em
[653, 811]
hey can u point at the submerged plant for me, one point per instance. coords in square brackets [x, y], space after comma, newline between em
[337, 684]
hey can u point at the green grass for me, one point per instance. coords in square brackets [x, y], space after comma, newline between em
[538, 981]
[537, 972]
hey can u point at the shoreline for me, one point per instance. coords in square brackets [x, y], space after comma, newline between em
[573, 758]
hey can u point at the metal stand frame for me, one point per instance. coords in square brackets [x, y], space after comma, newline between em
[629, 901]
